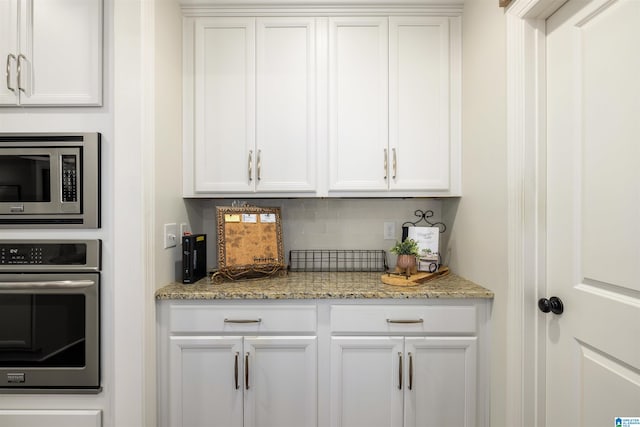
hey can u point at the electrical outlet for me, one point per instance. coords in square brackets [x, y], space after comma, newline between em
[389, 230]
[170, 235]
[184, 229]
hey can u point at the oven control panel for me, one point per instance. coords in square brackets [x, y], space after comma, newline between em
[43, 254]
[40, 256]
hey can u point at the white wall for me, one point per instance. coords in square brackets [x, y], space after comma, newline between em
[479, 240]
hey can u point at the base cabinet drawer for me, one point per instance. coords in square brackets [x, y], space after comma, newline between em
[51, 418]
[242, 319]
[397, 319]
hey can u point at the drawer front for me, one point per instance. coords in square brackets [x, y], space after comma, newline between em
[391, 319]
[242, 319]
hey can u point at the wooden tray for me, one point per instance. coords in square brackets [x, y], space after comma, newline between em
[413, 280]
[249, 241]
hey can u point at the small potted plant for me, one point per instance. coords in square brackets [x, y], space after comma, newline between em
[407, 252]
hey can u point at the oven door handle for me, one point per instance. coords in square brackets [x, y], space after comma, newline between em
[47, 284]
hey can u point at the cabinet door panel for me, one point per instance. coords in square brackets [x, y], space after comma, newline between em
[282, 382]
[419, 94]
[444, 382]
[286, 104]
[61, 41]
[224, 88]
[365, 381]
[8, 47]
[358, 99]
[202, 381]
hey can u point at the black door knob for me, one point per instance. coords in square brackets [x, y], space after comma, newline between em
[553, 304]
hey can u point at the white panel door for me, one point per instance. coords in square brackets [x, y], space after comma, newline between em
[224, 97]
[61, 44]
[419, 112]
[366, 381]
[280, 382]
[593, 206]
[205, 381]
[9, 51]
[286, 114]
[358, 104]
[440, 385]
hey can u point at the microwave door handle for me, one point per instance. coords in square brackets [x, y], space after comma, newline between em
[47, 284]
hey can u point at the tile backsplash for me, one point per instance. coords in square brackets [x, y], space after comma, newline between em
[323, 223]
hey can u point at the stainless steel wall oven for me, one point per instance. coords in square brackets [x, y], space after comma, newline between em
[50, 180]
[50, 316]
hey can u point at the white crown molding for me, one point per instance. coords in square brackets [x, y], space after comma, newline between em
[320, 7]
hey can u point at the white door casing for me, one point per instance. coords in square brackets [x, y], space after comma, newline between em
[526, 126]
[593, 206]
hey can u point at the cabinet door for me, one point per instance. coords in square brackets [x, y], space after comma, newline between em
[61, 41]
[419, 110]
[280, 385]
[366, 384]
[442, 390]
[224, 105]
[358, 104]
[204, 387]
[286, 114]
[9, 51]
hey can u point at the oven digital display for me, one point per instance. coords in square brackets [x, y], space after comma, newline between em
[43, 254]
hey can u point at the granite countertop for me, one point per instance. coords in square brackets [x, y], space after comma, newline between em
[322, 286]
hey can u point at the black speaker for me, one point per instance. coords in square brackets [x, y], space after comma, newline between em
[194, 257]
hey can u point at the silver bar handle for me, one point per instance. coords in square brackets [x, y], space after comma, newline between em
[410, 371]
[246, 371]
[48, 284]
[258, 320]
[386, 163]
[405, 320]
[20, 58]
[235, 370]
[259, 161]
[250, 165]
[399, 371]
[10, 57]
[395, 163]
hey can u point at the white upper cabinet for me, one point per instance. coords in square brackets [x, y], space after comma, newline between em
[252, 84]
[286, 105]
[393, 117]
[322, 106]
[419, 103]
[52, 51]
[358, 104]
[224, 90]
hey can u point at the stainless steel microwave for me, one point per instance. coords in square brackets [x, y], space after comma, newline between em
[50, 180]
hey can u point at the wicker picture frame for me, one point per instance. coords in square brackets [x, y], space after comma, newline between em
[249, 242]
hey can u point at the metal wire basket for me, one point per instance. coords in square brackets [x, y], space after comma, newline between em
[342, 260]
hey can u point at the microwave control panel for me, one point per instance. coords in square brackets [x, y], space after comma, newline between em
[69, 179]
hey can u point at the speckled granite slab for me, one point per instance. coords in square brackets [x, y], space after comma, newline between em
[322, 286]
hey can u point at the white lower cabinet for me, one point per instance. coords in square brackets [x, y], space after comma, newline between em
[250, 380]
[403, 381]
[243, 381]
[326, 363]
